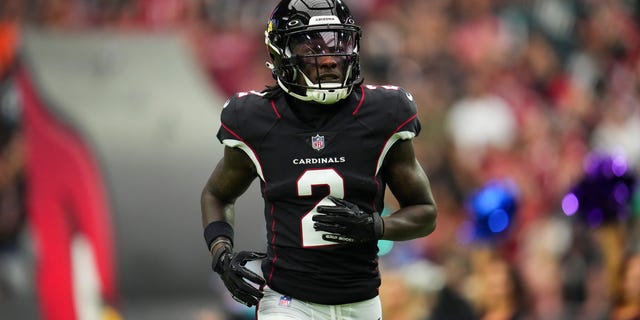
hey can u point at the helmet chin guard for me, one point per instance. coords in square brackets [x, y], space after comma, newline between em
[330, 93]
[301, 33]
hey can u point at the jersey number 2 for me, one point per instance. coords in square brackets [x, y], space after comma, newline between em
[306, 182]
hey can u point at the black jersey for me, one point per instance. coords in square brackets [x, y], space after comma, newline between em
[300, 165]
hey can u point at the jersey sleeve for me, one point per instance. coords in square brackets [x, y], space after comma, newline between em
[407, 115]
[401, 114]
[229, 127]
[242, 125]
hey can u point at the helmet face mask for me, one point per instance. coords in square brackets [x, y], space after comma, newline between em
[314, 50]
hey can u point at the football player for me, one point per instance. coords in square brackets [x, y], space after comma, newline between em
[325, 148]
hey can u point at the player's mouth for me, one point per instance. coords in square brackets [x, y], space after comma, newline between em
[329, 78]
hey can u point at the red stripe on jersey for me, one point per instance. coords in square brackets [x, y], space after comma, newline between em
[273, 243]
[273, 105]
[359, 103]
[232, 133]
[404, 123]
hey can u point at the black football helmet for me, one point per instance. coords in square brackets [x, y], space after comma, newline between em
[299, 35]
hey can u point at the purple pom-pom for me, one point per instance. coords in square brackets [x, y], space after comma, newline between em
[604, 192]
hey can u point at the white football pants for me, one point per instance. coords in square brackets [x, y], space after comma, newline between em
[276, 306]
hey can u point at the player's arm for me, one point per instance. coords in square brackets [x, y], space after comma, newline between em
[230, 179]
[344, 222]
[410, 185]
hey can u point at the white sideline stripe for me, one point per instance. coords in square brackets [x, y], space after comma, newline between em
[86, 287]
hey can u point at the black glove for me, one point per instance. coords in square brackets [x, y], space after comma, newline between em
[346, 223]
[231, 268]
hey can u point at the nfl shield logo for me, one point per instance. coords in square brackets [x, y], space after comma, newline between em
[285, 301]
[317, 142]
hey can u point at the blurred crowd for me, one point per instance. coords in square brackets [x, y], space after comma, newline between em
[525, 92]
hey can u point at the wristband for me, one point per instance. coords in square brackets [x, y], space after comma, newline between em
[216, 229]
[378, 226]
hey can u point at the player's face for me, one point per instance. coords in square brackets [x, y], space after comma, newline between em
[322, 56]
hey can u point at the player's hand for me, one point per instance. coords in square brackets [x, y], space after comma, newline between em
[231, 267]
[346, 223]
